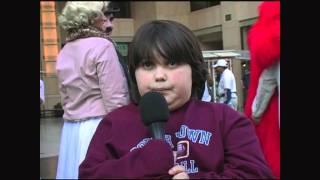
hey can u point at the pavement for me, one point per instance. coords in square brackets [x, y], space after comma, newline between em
[50, 132]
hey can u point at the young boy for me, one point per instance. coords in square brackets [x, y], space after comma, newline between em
[210, 140]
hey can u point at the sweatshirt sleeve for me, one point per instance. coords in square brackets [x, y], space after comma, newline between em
[112, 81]
[152, 160]
[243, 157]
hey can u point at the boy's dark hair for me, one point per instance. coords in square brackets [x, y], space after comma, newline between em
[174, 42]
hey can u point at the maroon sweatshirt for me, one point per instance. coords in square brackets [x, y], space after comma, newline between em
[211, 140]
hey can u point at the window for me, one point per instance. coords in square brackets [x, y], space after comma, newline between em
[244, 36]
[124, 6]
[196, 5]
[123, 49]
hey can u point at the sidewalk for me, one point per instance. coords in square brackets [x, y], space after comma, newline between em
[50, 131]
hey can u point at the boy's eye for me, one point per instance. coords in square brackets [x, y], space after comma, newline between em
[172, 64]
[147, 65]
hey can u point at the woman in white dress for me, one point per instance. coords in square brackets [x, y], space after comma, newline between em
[91, 79]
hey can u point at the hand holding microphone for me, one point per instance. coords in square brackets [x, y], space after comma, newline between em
[178, 172]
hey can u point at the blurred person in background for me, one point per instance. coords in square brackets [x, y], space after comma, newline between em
[41, 92]
[91, 79]
[227, 90]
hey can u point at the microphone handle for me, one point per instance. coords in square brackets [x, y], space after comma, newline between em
[157, 130]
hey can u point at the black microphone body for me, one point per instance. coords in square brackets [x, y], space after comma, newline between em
[157, 130]
[154, 113]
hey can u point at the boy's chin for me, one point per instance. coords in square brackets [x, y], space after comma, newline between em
[173, 107]
[175, 104]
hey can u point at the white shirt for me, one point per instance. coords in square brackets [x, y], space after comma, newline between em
[206, 96]
[227, 81]
[42, 90]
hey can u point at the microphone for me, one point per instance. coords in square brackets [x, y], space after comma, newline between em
[154, 113]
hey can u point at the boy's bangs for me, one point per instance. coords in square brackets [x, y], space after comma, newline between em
[144, 50]
[171, 51]
[149, 47]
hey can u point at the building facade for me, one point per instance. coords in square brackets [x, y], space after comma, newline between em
[219, 25]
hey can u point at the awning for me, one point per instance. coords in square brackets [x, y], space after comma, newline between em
[217, 54]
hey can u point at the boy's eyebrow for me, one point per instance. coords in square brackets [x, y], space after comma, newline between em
[144, 60]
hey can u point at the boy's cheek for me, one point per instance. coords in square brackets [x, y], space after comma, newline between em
[140, 75]
[142, 85]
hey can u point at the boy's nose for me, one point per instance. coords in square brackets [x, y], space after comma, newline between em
[160, 75]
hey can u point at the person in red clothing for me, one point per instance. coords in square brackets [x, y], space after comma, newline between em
[262, 104]
[202, 139]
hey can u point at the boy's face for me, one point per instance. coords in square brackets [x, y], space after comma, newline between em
[172, 80]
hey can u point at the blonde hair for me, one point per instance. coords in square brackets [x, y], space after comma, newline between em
[77, 14]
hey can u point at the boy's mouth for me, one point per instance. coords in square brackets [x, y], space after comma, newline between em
[162, 91]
